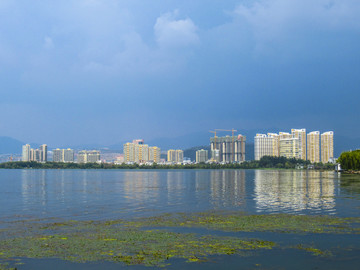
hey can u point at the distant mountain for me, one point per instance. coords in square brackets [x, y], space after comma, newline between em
[10, 145]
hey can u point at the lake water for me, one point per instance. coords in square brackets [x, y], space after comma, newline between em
[125, 194]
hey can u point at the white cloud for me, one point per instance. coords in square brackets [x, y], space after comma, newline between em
[171, 32]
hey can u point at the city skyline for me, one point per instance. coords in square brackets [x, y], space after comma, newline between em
[84, 70]
[297, 144]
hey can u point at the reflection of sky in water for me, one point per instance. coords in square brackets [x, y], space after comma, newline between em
[110, 194]
[294, 191]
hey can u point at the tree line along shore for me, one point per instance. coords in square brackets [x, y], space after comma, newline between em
[266, 162]
[350, 161]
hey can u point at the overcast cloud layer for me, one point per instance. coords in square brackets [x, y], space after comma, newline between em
[85, 71]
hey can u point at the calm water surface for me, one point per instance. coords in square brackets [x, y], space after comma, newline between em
[113, 194]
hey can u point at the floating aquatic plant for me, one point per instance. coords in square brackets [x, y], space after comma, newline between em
[130, 246]
[284, 223]
[147, 241]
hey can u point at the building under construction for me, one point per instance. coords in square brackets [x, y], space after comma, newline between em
[228, 149]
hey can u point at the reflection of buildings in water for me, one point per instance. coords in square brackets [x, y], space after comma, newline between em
[176, 186]
[294, 190]
[84, 186]
[141, 186]
[56, 181]
[227, 187]
[219, 188]
[34, 187]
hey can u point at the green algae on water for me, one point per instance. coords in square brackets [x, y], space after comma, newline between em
[283, 223]
[146, 241]
[314, 251]
[5, 266]
[130, 246]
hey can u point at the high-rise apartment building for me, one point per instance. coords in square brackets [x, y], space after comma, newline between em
[63, 155]
[301, 135]
[82, 156]
[276, 144]
[129, 152]
[290, 147]
[35, 155]
[313, 146]
[68, 155]
[43, 153]
[171, 155]
[92, 156]
[154, 154]
[327, 146]
[179, 156]
[142, 153]
[231, 149]
[26, 152]
[202, 156]
[263, 145]
[176, 156]
[57, 155]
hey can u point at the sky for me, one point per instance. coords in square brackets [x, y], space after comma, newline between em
[105, 71]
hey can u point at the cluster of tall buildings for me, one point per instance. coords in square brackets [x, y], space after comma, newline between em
[228, 149]
[30, 154]
[296, 144]
[138, 152]
[175, 156]
[311, 146]
[59, 155]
